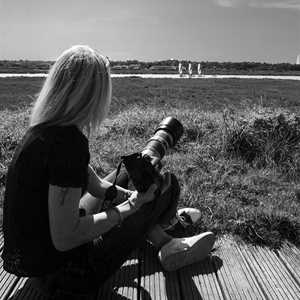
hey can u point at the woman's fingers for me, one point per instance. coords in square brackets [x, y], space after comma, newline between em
[149, 195]
[143, 198]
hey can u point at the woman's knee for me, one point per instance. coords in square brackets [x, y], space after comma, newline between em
[163, 207]
[168, 200]
[174, 186]
[173, 190]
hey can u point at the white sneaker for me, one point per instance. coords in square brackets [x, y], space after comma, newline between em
[186, 216]
[180, 252]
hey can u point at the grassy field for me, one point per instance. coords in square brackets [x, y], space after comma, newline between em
[238, 160]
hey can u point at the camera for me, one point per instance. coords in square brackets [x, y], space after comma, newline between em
[142, 168]
[165, 136]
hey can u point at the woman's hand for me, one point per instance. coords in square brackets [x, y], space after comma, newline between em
[138, 199]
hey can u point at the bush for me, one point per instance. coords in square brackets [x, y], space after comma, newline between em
[270, 229]
[264, 140]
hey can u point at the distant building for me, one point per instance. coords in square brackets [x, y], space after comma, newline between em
[119, 67]
[298, 60]
[134, 67]
[163, 68]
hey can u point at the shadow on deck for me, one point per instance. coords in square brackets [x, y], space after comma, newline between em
[233, 271]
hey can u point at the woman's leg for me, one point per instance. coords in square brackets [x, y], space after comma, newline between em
[158, 237]
[111, 250]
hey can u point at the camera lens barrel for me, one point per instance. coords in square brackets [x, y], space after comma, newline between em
[173, 127]
[166, 136]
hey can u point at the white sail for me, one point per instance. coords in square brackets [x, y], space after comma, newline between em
[190, 69]
[180, 69]
[298, 60]
[199, 69]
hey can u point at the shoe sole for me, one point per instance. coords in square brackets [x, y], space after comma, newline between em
[198, 252]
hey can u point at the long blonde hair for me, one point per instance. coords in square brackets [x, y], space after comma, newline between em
[77, 90]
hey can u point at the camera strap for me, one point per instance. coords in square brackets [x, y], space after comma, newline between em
[118, 172]
[112, 192]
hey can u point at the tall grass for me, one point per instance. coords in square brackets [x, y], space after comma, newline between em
[237, 161]
[255, 199]
[264, 139]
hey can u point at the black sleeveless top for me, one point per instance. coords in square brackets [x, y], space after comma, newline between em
[57, 155]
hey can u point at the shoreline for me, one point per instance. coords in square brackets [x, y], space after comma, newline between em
[170, 76]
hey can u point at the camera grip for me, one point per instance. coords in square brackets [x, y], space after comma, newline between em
[142, 173]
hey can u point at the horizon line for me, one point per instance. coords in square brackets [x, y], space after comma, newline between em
[160, 60]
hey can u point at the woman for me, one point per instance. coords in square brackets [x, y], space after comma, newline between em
[53, 226]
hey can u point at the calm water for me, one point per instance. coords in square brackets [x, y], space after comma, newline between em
[174, 76]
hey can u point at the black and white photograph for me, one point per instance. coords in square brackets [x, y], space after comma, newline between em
[149, 150]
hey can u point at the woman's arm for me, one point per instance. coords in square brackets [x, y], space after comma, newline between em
[97, 187]
[68, 230]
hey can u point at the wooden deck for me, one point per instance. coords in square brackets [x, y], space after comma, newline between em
[234, 271]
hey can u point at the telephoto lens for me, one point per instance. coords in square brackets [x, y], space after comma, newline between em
[166, 136]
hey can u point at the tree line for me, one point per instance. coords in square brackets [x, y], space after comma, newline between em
[206, 66]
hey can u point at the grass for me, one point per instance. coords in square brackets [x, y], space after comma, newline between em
[238, 160]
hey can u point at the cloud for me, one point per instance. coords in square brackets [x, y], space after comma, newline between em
[228, 3]
[236, 3]
[287, 4]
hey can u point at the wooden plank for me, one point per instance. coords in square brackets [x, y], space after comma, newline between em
[26, 289]
[290, 256]
[123, 284]
[107, 290]
[8, 290]
[31, 289]
[1, 239]
[272, 274]
[7, 281]
[17, 290]
[199, 281]
[155, 283]
[236, 278]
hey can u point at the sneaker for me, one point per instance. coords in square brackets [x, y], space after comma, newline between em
[180, 252]
[184, 217]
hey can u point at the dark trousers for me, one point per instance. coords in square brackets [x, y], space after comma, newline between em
[92, 265]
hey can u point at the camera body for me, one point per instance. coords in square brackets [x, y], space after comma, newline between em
[142, 168]
[142, 172]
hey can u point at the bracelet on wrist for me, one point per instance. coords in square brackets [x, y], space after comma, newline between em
[131, 204]
[120, 221]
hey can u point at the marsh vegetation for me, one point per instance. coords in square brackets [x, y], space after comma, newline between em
[238, 160]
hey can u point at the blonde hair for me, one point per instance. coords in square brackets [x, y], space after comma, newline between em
[77, 90]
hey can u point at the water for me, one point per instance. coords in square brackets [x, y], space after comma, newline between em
[172, 76]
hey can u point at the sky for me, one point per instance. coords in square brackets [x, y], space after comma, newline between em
[148, 30]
